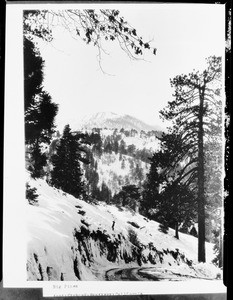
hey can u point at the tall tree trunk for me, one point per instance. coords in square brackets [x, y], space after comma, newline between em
[220, 264]
[201, 196]
[176, 231]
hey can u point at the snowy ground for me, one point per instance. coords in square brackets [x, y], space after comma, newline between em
[69, 239]
[111, 172]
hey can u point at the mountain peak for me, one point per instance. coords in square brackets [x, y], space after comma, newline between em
[102, 116]
[113, 120]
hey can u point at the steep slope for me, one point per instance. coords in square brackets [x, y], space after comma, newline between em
[120, 157]
[116, 172]
[69, 239]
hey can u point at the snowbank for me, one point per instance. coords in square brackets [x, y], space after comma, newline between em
[69, 239]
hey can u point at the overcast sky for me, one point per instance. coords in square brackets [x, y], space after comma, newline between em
[183, 34]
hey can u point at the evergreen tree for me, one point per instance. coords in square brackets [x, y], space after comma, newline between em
[94, 139]
[166, 186]
[176, 205]
[31, 194]
[120, 156]
[138, 173]
[131, 164]
[131, 150]
[150, 190]
[105, 193]
[66, 173]
[33, 73]
[39, 109]
[92, 177]
[123, 164]
[129, 195]
[127, 180]
[122, 147]
[115, 146]
[193, 109]
[37, 161]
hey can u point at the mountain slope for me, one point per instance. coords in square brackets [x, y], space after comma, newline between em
[69, 239]
[112, 120]
[116, 173]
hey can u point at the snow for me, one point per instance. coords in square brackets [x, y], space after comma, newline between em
[109, 168]
[112, 120]
[53, 250]
[150, 143]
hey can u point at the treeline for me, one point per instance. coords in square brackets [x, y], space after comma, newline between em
[94, 151]
[116, 143]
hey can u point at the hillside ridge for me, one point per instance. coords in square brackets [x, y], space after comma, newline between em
[70, 239]
[113, 120]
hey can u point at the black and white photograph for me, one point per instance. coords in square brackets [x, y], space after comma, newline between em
[118, 114]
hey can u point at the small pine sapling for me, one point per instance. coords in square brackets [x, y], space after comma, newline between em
[31, 195]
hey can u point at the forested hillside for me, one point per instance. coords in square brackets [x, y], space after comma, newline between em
[116, 158]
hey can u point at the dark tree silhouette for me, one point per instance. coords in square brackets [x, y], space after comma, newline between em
[66, 174]
[176, 205]
[31, 194]
[40, 111]
[193, 109]
[169, 196]
[129, 195]
[92, 176]
[105, 193]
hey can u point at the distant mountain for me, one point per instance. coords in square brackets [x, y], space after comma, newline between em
[112, 120]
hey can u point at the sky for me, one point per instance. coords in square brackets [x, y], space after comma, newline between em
[184, 35]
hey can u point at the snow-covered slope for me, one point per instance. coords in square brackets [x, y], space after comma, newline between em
[139, 140]
[117, 169]
[116, 173]
[113, 120]
[69, 239]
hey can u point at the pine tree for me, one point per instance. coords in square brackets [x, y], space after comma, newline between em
[138, 174]
[193, 109]
[123, 164]
[31, 194]
[33, 73]
[39, 109]
[129, 195]
[105, 193]
[176, 205]
[37, 161]
[66, 174]
[122, 147]
[115, 146]
[131, 150]
[169, 195]
[151, 190]
[92, 177]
